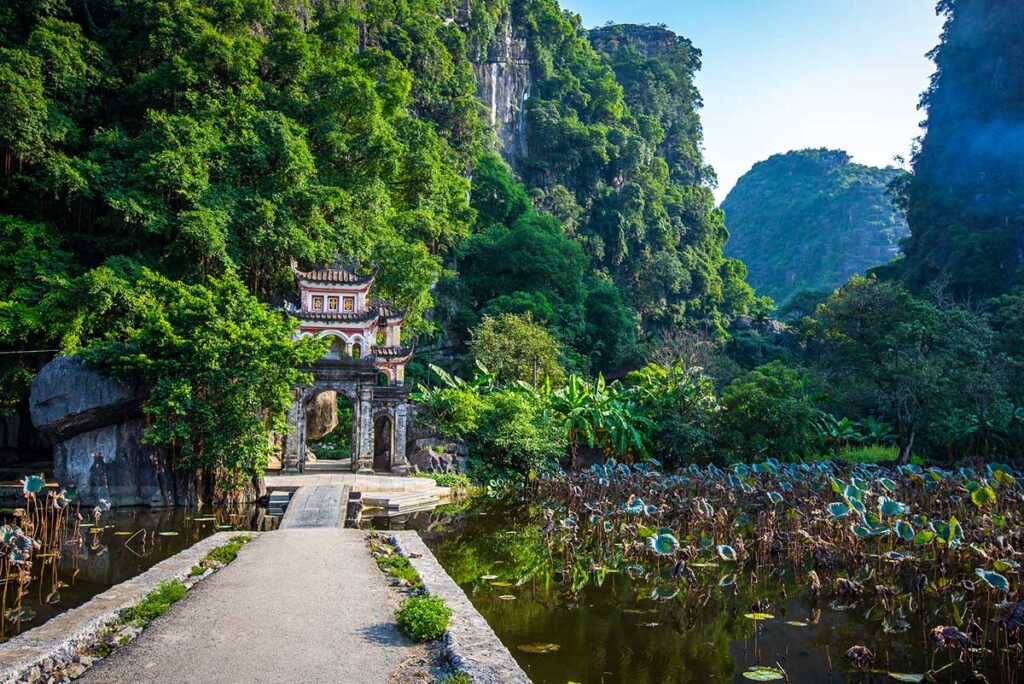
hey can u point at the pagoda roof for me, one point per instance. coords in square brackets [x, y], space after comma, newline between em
[342, 276]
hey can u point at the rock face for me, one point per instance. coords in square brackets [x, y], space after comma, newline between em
[648, 40]
[95, 426]
[503, 85]
[67, 399]
[321, 415]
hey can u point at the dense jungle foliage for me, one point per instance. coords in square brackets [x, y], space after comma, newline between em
[810, 219]
[165, 162]
[204, 146]
[964, 200]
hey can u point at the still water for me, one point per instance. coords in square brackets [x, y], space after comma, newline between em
[93, 558]
[612, 630]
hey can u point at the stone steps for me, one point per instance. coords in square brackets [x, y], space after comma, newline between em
[401, 502]
[277, 502]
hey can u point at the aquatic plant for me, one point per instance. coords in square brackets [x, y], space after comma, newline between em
[900, 544]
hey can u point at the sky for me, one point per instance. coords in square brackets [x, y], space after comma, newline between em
[781, 75]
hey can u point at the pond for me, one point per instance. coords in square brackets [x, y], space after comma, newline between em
[574, 607]
[87, 558]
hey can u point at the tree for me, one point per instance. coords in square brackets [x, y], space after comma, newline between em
[680, 403]
[767, 412]
[879, 338]
[220, 368]
[514, 347]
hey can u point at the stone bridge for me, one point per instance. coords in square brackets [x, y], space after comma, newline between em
[380, 416]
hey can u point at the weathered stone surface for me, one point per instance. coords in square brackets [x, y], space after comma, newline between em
[317, 506]
[112, 463]
[68, 399]
[503, 85]
[305, 605]
[321, 414]
[472, 645]
[437, 455]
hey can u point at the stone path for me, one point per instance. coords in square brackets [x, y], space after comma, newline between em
[317, 506]
[305, 604]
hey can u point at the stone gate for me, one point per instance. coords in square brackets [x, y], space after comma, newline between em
[379, 416]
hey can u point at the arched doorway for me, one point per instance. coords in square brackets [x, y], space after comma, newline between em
[328, 425]
[383, 442]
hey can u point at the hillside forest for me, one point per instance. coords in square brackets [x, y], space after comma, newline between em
[810, 220]
[166, 162]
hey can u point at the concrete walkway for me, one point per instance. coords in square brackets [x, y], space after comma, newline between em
[317, 506]
[298, 605]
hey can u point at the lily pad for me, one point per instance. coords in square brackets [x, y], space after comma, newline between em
[759, 616]
[168, 534]
[904, 677]
[764, 674]
[796, 623]
[539, 649]
[993, 579]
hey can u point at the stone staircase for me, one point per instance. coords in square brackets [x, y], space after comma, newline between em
[397, 503]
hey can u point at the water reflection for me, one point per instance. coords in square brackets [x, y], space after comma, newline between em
[622, 629]
[125, 542]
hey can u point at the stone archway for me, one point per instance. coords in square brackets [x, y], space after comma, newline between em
[357, 381]
[383, 441]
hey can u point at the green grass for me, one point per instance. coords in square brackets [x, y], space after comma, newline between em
[862, 454]
[398, 566]
[423, 618]
[156, 602]
[223, 554]
[228, 552]
[455, 678]
[454, 480]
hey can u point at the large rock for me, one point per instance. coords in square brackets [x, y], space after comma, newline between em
[321, 415]
[112, 463]
[437, 455]
[68, 399]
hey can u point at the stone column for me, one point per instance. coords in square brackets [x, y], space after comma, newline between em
[295, 441]
[365, 446]
[399, 463]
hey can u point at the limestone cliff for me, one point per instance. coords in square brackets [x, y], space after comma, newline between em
[502, 72]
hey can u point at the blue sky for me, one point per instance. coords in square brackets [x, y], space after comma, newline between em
[780, 75]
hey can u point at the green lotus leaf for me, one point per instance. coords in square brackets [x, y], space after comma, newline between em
[726, 552]
[764, 674]
[993, 579]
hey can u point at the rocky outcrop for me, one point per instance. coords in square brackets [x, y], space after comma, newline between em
[96, 427]
[648, 40]
[321, 415]
[503, 85]
[68, 399]
[437, 455]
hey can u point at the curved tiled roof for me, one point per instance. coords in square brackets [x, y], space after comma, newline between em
[391, 352]
[335, 275]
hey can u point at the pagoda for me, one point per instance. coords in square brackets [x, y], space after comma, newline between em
[335, 303]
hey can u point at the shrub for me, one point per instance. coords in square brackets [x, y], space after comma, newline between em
[454, 480]
[423, 618]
